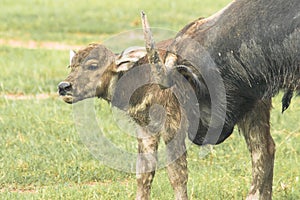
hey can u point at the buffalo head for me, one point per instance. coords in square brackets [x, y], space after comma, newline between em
[95, 71]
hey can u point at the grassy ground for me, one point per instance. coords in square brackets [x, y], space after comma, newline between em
[80, 22]
[41, 153]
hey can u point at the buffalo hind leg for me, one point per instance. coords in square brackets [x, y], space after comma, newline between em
[146, 162]
[256, 129]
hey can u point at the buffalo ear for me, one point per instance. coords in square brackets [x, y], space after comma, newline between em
[195, 79]
[72, 54]
[129, 57]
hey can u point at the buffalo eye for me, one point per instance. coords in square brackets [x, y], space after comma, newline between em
[93, 66]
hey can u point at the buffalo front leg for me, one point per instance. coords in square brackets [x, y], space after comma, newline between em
[256, 129]
[178, 176]
[177, 162]
[146, 162]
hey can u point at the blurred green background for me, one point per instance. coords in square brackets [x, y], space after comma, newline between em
[41, 154]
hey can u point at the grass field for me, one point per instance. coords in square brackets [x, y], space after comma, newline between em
[41, 153]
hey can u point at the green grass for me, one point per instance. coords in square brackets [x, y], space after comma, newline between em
[40, 149]
[41, 153]
[31, 71]
[80, 22]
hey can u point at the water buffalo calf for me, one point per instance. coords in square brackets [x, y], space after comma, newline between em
[235, 61]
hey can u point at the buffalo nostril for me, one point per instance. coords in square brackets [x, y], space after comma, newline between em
[64, 87]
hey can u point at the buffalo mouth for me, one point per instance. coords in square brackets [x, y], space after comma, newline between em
[65, 91]
[68, 99]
